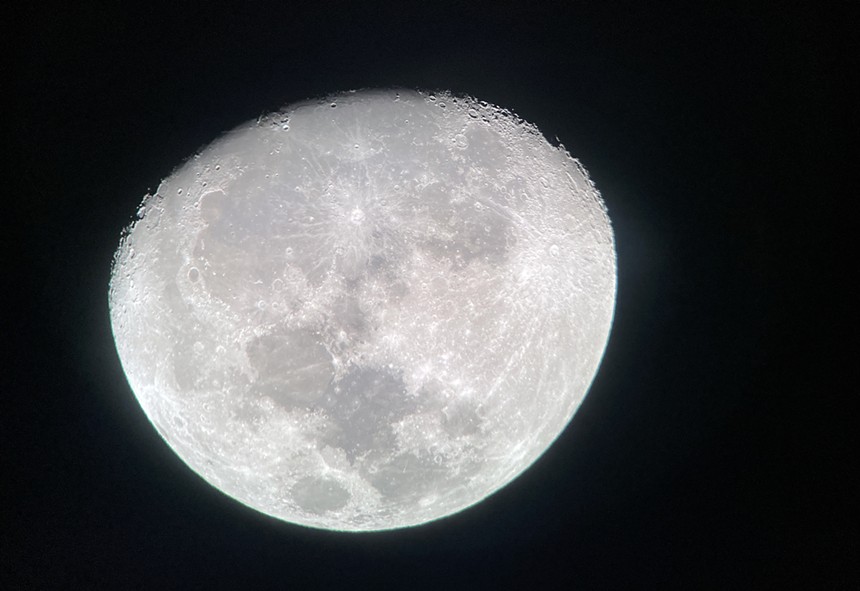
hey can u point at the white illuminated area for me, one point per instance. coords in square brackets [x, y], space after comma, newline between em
[367, 312]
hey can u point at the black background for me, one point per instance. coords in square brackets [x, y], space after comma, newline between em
[712, 449]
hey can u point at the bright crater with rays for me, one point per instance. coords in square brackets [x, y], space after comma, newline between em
[367, 312]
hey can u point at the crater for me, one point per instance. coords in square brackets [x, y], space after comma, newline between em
[319, 495]
[293, 368]
[347, 315]
[212, 206]
[408, 478]
[362, 407]
[461, 420]
[463, 231]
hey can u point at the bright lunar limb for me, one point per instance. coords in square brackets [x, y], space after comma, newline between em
[367, 312]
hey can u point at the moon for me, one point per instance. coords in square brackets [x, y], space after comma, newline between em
[366, 312]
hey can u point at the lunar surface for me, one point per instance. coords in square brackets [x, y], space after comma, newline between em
[366, 312]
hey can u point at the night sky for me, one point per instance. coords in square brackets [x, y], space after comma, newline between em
[713, 448]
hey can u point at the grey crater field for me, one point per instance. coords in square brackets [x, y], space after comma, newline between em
[366, 312]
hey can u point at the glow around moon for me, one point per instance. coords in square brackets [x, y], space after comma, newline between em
[367, 312]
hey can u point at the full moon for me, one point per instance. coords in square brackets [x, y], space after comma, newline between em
[366, 312]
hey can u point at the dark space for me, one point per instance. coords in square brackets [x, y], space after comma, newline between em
[713, 450]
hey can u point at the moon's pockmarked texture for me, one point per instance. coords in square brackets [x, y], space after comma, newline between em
[367, 312]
